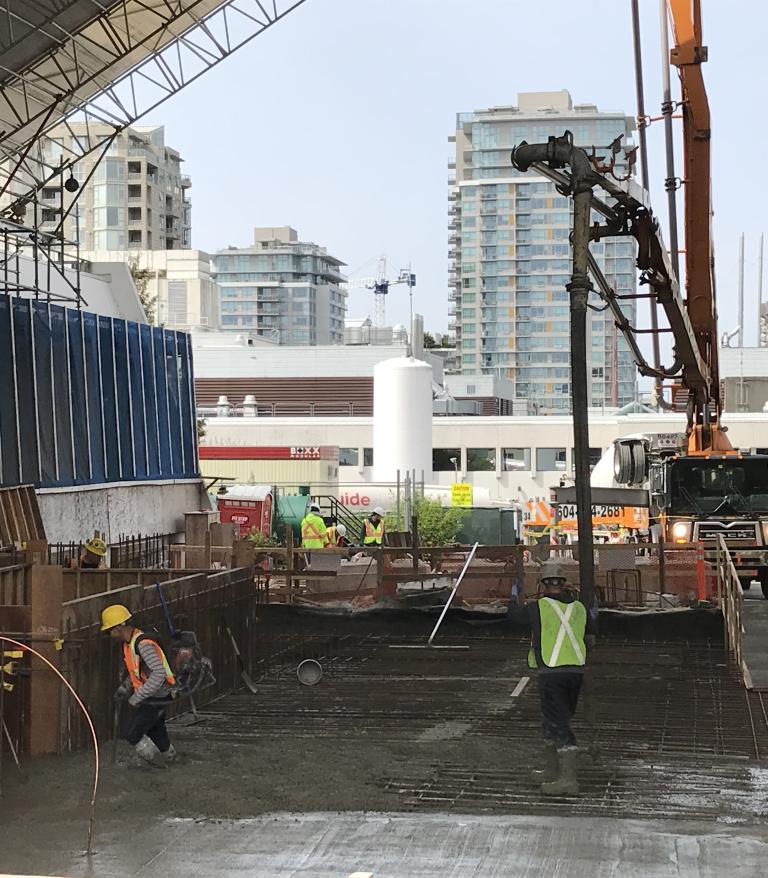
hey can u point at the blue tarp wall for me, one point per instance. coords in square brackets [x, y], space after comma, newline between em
[88, 399]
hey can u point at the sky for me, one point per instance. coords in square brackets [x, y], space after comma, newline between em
[335, 121]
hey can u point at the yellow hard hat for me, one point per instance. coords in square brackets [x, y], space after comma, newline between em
[114, 615]
[96, 546]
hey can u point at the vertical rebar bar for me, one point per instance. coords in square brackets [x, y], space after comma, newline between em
[741, 291]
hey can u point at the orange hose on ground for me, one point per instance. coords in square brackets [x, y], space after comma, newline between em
[89, 849]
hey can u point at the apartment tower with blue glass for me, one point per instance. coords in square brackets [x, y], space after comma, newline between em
[510, 257]
[282, 289]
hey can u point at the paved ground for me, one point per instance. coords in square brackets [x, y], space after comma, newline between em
[440, 741]
[404, 846]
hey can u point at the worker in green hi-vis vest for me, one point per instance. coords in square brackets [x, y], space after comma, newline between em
[561, 629]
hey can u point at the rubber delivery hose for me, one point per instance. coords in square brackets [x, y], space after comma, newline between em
[92, 816]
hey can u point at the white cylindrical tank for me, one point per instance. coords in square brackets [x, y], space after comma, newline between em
[402, 419]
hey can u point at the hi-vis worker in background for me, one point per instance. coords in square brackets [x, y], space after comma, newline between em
[93, 555]
[314, 534]
[559, 637]
[336, 536]
[372, 533]
[149, 677]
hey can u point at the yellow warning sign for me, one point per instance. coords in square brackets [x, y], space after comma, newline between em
[461, 494]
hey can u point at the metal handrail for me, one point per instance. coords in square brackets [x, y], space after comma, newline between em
[731, 599]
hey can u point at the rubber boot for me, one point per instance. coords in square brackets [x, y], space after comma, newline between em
[148, 754]
[548, 771]
[566, 783]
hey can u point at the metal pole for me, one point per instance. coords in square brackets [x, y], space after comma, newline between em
[579, 292]
[760, 293]
[398, 499]
[453, 592]
[670, 183]
[641, 129]
[741, 290]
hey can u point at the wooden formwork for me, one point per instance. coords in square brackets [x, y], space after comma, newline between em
[20, 519]
[204, 602]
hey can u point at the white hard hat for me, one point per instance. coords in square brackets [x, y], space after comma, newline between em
[341, 530]
[314, 507]
[379, 511]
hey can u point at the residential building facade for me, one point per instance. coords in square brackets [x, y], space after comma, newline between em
[510, 257]
[282, 289]
[178, 284]
[136, 198]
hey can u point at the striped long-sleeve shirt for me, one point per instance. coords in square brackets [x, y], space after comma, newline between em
[156, 685]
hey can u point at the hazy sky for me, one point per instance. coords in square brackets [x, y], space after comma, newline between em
[335, 121]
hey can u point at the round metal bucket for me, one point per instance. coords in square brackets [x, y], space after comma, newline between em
[309, 672]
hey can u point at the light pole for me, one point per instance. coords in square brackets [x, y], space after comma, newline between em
[455, 462]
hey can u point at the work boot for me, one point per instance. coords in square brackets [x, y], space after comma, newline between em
[170, 754]
[148, 754]
[548, 770]
[566, 783]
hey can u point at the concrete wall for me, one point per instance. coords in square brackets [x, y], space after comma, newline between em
[72, 514]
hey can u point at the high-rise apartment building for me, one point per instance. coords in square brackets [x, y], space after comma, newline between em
[510, 257]
[136, 198]
[282, 289]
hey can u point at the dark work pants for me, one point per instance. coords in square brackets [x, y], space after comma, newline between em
[559, 695]
[149, 720]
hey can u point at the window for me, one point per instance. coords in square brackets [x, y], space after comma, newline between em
[550, 459]
[177, 302]
[594, 457]
[481, 459]
[348, 456]
[446, 460]
[367, 456]
[515, 459]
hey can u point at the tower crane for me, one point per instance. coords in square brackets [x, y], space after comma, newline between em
[380, 285]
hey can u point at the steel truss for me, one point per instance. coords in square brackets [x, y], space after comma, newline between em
[121, 61]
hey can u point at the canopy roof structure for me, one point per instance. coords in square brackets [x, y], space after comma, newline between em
[103, 61]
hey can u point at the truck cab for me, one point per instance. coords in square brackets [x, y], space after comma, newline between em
[702, 497]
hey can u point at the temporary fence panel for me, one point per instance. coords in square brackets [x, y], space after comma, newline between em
[90, 399]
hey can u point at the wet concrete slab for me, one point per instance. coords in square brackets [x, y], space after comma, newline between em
[404, 845]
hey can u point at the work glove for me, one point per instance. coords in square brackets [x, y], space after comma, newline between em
[590, 641]
[121, 693]
[134, 700]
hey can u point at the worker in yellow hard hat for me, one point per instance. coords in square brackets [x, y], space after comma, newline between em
[150, 680]
[93, 555]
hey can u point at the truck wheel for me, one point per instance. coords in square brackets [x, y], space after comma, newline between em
[746, 584]
[763, 576]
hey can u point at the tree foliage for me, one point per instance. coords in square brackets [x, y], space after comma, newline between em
[429, 340]
[141, 277]
[438, 525]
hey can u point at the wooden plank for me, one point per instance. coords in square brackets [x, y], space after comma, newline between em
[5, 521]
[46, 600]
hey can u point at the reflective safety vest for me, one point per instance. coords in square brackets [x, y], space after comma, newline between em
[562, 629]
[333, 538]
[137, 670]
[313, 532]
[373, 535]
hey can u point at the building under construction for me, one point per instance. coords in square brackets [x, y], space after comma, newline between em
[372, 715]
